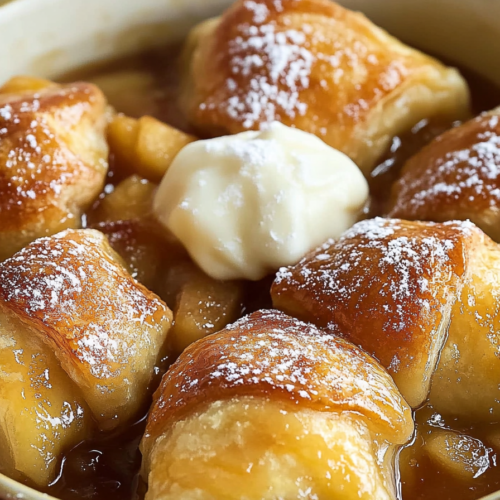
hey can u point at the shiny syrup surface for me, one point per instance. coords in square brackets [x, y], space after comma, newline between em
[107, 467]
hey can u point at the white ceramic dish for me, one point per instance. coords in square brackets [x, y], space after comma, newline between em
[51, 37]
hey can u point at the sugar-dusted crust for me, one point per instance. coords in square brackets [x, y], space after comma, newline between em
[318, 67]
[106, 329]
[456, 177]
[387, 286]
[272, 355]
[53, 158]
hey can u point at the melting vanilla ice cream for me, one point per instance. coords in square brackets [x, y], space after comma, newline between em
[247, 204]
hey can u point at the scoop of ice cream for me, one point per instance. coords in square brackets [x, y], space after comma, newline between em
[247, 204]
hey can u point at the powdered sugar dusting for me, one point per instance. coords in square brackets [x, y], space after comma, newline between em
[84, 300]
[402, 263]
[281, 60]
[389, 286]
[465, 174]
[271, 353]
[275, 62]
[287, 64]
[37, 166]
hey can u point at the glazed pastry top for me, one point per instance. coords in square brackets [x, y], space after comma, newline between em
[456, 176]
[388, 285]
[385, 322]
[53, 158]
[316, 66]
[271, 354]
[105, 328]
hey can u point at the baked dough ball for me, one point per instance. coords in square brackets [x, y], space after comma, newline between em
[53, 158]
[316, 66]
[271, 408]
[423, 298]
[72, 293]
[389, 286]
[457, 176]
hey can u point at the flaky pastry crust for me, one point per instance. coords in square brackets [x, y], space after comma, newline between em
[457, 176]
[388, 286]
[465, 383]
[53, 158]
[107, 330]
[316, 66]
[270, 354]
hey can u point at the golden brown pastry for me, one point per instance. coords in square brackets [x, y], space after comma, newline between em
[423, 298]
[53, 158]
[72, 294]
[466, 381]
[316, 66]
[201, 305]
[274, 408]
[457, 176]
[388, 286]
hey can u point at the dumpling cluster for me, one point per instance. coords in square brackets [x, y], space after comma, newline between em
[314, 398]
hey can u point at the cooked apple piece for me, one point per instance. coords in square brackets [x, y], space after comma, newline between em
[122, 137]
[131, 199]
[442, 463]
[157, 145]
[462, 456]
[203, 305]
[42, 412]
[146, 146]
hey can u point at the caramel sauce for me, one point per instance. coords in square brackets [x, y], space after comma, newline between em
[107, 467]
[423, 479]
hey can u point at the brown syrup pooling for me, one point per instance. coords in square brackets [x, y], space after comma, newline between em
[423, 477]
[107, 467]
[101, 468]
